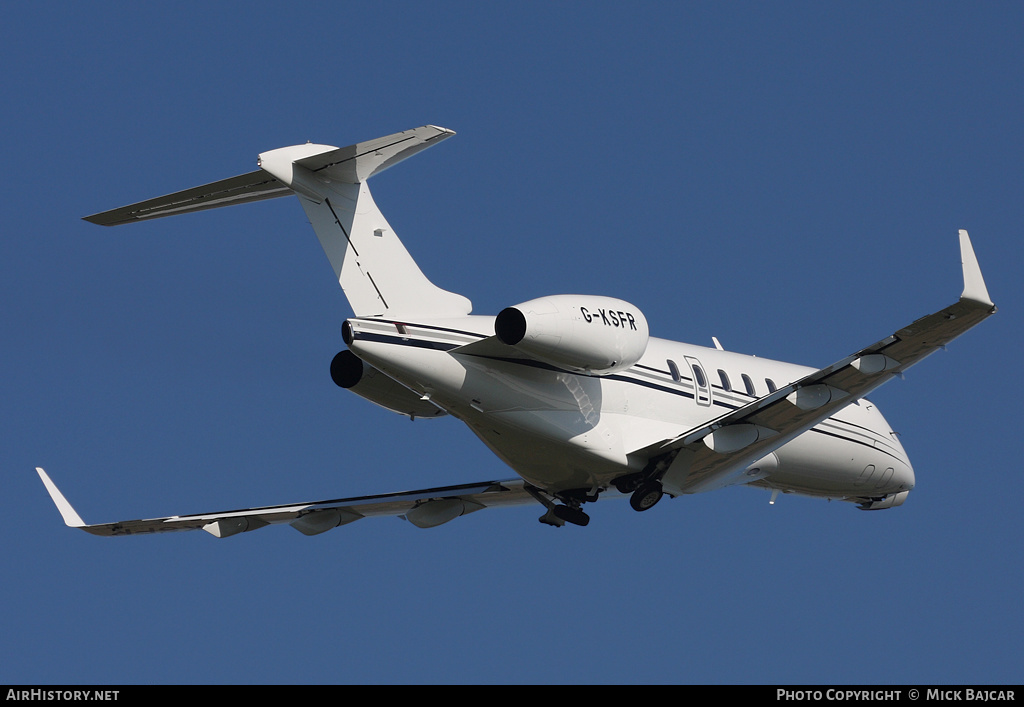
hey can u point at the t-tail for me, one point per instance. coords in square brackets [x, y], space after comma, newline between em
[374, 269]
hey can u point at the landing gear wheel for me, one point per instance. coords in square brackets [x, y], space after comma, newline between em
[646, 496]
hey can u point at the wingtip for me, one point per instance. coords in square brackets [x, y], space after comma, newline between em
[974, 283]
[71, 518]
[443, 133]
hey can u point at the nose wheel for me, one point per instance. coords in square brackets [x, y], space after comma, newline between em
[646, 496]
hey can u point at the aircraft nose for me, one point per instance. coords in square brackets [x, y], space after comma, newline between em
[904, 475]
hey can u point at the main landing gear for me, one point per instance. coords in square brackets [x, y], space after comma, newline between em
[645, 492]
[646, 496]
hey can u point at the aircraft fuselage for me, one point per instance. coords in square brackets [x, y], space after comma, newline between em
[565, 431]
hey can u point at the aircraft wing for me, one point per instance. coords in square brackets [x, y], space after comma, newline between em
[715, 454]
[424, 508]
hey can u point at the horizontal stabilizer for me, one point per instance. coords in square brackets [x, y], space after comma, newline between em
[357, 163]
[243, 189]
[349, 165]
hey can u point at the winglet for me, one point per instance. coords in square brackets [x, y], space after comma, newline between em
[974, 283]
[71, 519]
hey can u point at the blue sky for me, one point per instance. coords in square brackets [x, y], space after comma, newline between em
[788, 177]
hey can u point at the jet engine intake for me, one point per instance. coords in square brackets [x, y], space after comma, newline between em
[580, 333]
[351, 372]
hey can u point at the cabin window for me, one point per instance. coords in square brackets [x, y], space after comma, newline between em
[698, 375]
[748, 384]
[701, 387]
[771, 385]
[726, 384]
[674, 370]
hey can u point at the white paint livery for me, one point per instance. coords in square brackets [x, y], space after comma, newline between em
[571, 391]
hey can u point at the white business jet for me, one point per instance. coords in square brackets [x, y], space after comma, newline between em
[571, 391]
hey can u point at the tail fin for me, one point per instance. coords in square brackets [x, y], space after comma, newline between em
[374, 269]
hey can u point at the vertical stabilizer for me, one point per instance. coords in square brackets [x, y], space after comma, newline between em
[373, 267]
[376, 272]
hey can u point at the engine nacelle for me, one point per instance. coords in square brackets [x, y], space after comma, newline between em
[580, 333]
[351, 372]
